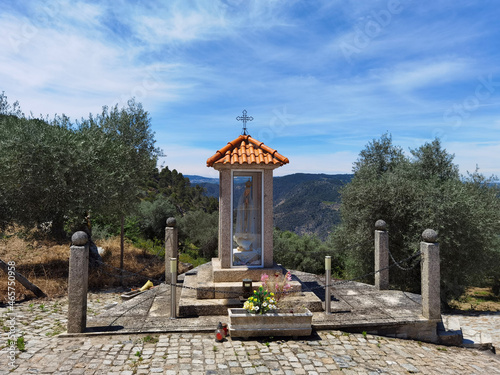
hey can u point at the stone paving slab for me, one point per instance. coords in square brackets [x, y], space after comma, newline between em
[355, 305]
[478, 327]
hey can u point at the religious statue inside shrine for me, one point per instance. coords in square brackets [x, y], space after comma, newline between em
[247, 220]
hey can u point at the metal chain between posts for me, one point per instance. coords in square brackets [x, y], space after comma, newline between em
[132, 274]
[374, 272]
[342, 282]
[401, 267]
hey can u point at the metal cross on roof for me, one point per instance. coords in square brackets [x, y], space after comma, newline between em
[244, 118]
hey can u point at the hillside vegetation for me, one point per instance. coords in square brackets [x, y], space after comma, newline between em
[308, 203]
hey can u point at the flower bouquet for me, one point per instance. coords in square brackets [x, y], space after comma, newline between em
[260, 302]
[278, 284]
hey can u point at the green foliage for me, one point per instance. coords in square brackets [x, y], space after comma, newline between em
[34, 172]
[132, 157]
[55, 171]
[303, 253]
[9, 110]
[19, 343]
[201, 228]
[102, 168]
[151, 339]
[152, 216]
[308, 204]
[380, 156]
[412, 195]
[192, 256]
[131, 228]
[178, 189]
[154, 246]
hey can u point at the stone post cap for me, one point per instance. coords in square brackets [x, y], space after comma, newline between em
[171, 222]
[429, 235]
[380, 225]
[79, 238]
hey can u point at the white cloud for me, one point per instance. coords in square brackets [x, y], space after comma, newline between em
[469, 155]
[181, 24]
[419, 74]
[196, 64]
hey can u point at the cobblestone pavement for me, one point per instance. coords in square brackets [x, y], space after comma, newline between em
[332, 352]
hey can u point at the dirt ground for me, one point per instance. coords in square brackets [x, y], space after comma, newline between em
[477, 299]
[45, 263]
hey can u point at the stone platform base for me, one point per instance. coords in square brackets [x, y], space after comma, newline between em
[201, 296]
[221, 275]
[208, 288]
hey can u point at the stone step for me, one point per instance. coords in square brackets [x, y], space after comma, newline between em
[450, 335]
[238, 274]
[208, 289]
[451, 332]
[191, 305]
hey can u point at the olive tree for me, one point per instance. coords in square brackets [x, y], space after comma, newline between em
[412, 194]
[56, 171]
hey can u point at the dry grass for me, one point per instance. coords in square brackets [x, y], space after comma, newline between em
[45, 264]
[477, 299]
[135, 260]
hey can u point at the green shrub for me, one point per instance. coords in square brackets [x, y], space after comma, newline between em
[202, 230]
[303, 253]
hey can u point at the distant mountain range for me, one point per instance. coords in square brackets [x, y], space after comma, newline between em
[303, 203]
[198, 180]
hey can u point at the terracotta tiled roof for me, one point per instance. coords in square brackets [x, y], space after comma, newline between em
[246, 150]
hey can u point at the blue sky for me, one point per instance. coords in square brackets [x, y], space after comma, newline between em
[320, 78]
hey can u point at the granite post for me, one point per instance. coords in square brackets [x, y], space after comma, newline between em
[328, 282]
[381, 255]
[171, 246]
[173, 290]
[431, 297]
[78, 282]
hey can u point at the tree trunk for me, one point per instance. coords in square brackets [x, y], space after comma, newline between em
[57, 230]
[22, 280]
[122, 246]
